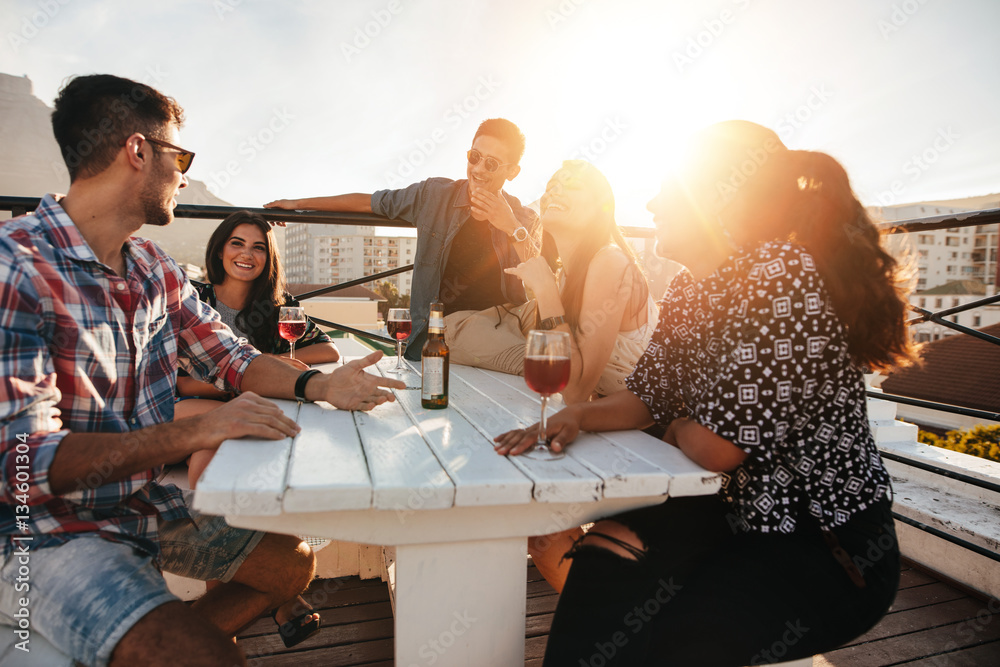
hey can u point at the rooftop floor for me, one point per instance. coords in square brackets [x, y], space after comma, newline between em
[931, 623]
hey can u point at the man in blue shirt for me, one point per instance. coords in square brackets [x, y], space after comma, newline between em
[469, 230]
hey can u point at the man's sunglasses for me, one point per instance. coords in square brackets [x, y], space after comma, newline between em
[184, 158]
[492, 164]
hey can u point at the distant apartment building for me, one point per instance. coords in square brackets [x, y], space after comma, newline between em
[331, 254]
[946, 255]
[953, 295]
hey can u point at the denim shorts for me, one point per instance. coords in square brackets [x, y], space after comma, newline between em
[86, 594]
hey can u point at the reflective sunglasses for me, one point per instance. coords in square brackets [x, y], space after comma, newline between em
[492, 164]
[184, 158]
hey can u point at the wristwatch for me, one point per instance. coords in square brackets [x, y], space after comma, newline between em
[520, 234]
[551, 322]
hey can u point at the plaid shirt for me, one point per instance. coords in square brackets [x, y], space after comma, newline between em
[83, 350]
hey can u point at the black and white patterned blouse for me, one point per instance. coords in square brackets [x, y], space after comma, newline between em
[756, 353]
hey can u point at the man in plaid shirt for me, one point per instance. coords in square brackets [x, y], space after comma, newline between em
[93, 324]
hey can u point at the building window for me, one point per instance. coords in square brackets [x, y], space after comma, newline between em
[951, 240]
[977, 320]
[923, 302]
[954, 302]
[937, 302]
[925, 239]
[950, 270]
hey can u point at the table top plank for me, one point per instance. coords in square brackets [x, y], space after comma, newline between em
[687, 478]
[247, 475]
[494, 406]
[404, 472]
[328, 469]
[480, 476]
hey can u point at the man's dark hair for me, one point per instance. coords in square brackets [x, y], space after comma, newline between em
[505, 131]
[95, 114]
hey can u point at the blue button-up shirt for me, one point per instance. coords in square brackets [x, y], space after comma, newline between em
[438, 207]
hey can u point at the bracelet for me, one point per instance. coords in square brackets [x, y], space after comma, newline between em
[300, 384]
[551, 322]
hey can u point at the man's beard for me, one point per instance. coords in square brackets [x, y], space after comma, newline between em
[154, 210]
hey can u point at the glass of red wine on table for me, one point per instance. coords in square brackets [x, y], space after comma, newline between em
[398, 323]
[546, 371]
[291, 324]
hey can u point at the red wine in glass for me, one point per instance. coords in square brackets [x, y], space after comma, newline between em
[291, 324]
[399, 329]
[546, 371]
[291, 330]
[546, 375]
[398, 324]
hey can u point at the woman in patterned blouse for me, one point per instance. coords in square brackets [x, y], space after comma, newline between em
[755, 370]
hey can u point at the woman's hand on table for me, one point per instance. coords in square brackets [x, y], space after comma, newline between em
[561, 429]
[349, 387]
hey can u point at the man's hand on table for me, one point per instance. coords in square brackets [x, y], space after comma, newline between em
[349, 387]
[246, 415]
[561, 429]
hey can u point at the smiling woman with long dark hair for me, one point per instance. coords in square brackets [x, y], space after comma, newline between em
[756, 371]
[246, 285]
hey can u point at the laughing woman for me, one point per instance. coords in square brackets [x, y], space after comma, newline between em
[599, 296]
[755, 370]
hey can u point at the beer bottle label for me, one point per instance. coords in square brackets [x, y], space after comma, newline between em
[432, 385]
[435, 324]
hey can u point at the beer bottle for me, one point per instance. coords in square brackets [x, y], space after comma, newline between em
[434, 362]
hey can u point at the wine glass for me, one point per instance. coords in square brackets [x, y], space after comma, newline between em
[546, 371]
[291, 324]
[398, 323]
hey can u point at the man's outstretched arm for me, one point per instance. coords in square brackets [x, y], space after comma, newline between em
[356, 202]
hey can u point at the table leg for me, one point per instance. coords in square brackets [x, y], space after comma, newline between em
[461, 603]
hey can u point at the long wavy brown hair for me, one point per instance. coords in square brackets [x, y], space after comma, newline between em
[805, 197]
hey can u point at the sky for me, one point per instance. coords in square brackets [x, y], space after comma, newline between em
[295, 98]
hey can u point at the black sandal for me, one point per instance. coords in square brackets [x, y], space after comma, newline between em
[295, 631]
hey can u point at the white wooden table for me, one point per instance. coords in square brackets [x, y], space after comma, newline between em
[429, 483]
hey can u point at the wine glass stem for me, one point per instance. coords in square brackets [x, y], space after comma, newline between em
[399, 354]
[542, 440]
[292, 343]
